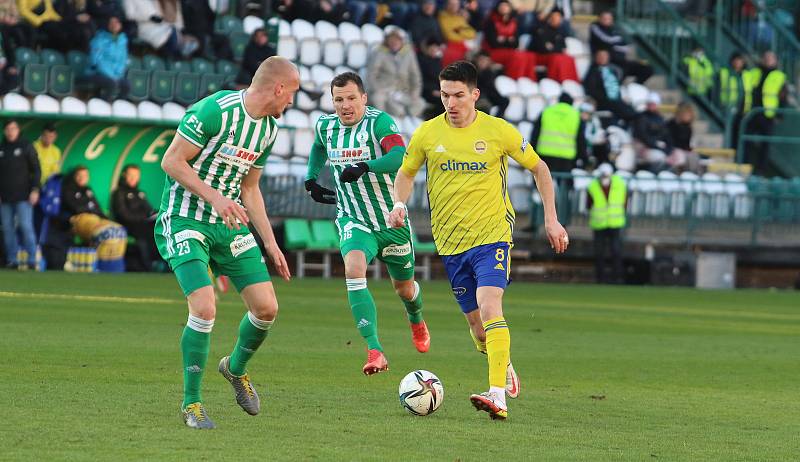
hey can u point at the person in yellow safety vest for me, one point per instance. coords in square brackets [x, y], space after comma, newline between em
[607, 199]
[736, 91]
[769, 92]
[559, 136]
[701, 72]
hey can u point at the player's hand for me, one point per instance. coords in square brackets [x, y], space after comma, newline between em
[279, 261]
[397, 217]
[230, 212]
[354, 172]
[319, 193]
[557, 235]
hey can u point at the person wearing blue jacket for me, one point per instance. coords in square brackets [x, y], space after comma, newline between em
[108, 61]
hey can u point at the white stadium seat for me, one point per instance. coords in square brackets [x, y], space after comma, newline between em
[46, 104]
[302, 29]
[314, 116]
[550, 89]
[342, 69]
[73, 106]
[573, 89]
[305, 73]
[251, 23]
[534, 107]
[122, 108]
[326, 102]
[527, 87]
[637, 95]
[582, 65]
[287, 47]
[172, 111]
[333, 53]
[149, 110]
[98, 107]
[303, 140]
[575, 47]
[357, 54]
[283, 144]
[371, 34]
[284, 28]
[14, 102]
[295, 118]
[516, 109]
[326, 31]
[276, 166]
[505, 85]
[303, 102]
[349, 32]
[310, 51]
[298, 168]
[525, 129]
[321, 75]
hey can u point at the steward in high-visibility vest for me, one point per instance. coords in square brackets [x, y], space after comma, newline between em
[607, 212]
[559, 132]
[736, 86]
[768, 82]
[701, 72]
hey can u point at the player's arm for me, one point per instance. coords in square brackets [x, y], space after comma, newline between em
[521, 151]
[316, 160]
[392, 147]
[404, 181]
[253, 201]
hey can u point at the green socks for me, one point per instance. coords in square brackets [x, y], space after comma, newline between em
[414, 306]
[364, 312]
[194, 346]
[252, 332]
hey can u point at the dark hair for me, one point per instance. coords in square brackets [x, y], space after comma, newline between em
[9, 122]
[565, 98]
[735, 55]
[461, 71]
[130, 166]
[344, 78]
[49, 127]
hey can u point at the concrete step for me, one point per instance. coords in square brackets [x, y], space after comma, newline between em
[657, 82]
[709, 140]
[582, 7]
[670, 96]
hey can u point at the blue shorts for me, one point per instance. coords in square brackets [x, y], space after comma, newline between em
[485, 265]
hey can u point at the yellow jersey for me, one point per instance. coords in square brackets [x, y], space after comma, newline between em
[467, 173]
[49, 159]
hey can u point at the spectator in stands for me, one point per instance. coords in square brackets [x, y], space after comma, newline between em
[362, 11]
[76, 21]
[606, 200]
[48, 153]
[42, 15]
[160, 24]
[456, 31]
[15, 33]
[501, 40]
[393, 76]
[736, 91]
[700, 70]
[488, 71]
[132, 210]
[199, 19]
[683, 157]
[9, 74]
[475, 15]
[532, 12]
[770, 93]
[651, 138]
[599, 148]
[108, 61]
[425, 25]
[549, 44]
[401, 12]
[334, 11]
[256, 51]
[559, 136]
[603, 83]
[430, 64]
[603, 35]
[19, 192]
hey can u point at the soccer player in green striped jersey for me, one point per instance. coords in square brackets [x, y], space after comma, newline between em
[364, 150]
[210, 195]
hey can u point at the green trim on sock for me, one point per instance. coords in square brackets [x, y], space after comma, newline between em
[366, 316]
[250, 338]
[194, 347]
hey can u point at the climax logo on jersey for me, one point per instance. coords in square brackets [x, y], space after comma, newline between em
[465, 167]
[242, 244]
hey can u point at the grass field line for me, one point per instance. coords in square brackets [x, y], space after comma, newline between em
[90, 298]
[674, 310]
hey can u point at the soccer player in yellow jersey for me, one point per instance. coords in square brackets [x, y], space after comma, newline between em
[466, 155]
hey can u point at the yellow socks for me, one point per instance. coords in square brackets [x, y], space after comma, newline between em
[481, 346]
[498, 348]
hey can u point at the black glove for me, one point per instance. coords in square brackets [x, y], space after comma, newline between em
[319, 193]
[156, 19]
[354, 172]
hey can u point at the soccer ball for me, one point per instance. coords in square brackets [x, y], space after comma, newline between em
[421, 392]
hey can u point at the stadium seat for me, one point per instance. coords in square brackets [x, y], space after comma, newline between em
[25, 56]
[98, 108]
[124, 109]
[149, 110]
[35, 79]
[519, 186]
[45, 104]
[505, 85]
[314, 116]
[333, 53]
[573, 89]
[139, 81]
[371, 34]
[73, 106]
[153, 63]
[298, 236]
[283, 144]
[637, 95]
[134, 62]
[227, 68]
[736, 189]
[179, 66]
[325, 234]
[321, 75]
[575, 47]
[251, 23]
[357, 54]
[78, 61]
[162, 86]
[325, 31]
[287, 47]
[550, 90]
[310, 51]
[172, 111]
[51, 57]
[349, 32]
[302, 29]
[202, 66]
[525, 128]
[61, 80]
[276, 166]
[302, 100]
[516, 109]
[295, 118]
[326, 102]
[582, 65]
[527, 87]
[342, 69]
[284, 28]
[305, 73]
[535, 106]
[238, 44]
[187, 87]
[211, 83]
[303, 140]
[14, 102]
[225, 25]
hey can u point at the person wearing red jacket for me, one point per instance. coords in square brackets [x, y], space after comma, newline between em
[501, 41]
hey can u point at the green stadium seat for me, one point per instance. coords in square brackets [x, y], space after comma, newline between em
[300, 237]
[162, 86]
[153, 63]
[139, 81]
[35, 79]
[202, 66]
[422, 247]
[61, 81]
[227, 68]
[25, 56]
[51, 57]
[134, 62]
[211, 83]
[238, 43]
[296, 234]
[187, 87]
[180, 66]
[225, 25]
[78, 61]
[324, 234]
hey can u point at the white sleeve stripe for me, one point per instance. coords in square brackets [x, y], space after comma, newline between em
[187, 138]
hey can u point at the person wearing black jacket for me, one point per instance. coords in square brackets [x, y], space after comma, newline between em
[488, 71]
[9, 74]
[549, 43]
[425, 25]
[19, 192]
[604, 36]
[256, 51]
[133, 211]
[430, 65]
[198, 19]
[603, 83]
[651, 137]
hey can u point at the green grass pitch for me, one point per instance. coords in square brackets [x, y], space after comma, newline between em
[90, 370]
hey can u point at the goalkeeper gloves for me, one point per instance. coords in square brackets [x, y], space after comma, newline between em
[353, 172]
[319, 193]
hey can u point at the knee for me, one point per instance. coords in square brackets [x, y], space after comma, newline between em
[405, 290]
[354, 267]
[202, 303]
[266, 310]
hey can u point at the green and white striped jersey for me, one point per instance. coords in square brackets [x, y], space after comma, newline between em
[369, 199]
[231, 143]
